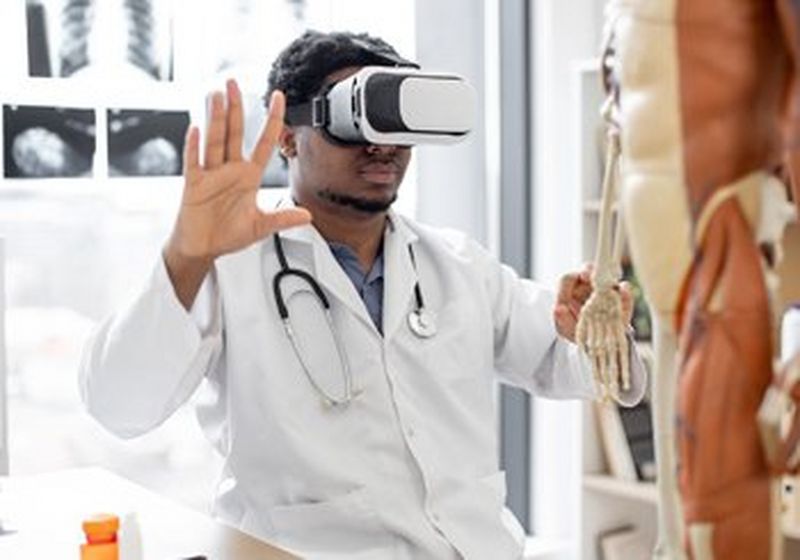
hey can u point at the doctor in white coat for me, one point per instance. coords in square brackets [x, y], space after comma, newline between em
[373, 436]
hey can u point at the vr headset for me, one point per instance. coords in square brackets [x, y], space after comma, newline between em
[390, 105]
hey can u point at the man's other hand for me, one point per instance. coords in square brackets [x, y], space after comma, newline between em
[574, 291]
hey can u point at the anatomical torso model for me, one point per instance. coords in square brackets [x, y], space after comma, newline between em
[709, 135]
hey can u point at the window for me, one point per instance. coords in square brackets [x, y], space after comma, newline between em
[83, 224]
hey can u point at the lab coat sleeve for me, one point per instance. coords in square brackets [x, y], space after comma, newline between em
[531, 355]
[145, 361]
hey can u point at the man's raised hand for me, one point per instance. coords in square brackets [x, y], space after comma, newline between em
[218, 212]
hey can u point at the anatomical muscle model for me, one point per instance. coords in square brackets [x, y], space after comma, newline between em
[709, 118]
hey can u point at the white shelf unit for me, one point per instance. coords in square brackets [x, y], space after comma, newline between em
[609, 502]
[3, 382]
[644, 492]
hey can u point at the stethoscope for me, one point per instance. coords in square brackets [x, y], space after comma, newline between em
[420, 321]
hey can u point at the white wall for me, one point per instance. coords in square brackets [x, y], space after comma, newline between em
[452, 179]
[565, 32]
[456, 189]
[3, 381]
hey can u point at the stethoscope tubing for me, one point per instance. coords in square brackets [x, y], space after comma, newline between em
[419, 323]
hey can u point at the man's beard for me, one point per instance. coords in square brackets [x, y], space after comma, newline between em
[361, 204]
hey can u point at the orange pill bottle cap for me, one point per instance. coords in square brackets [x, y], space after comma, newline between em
[101, 528]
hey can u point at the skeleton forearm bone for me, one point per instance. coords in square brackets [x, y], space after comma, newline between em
[602, 327]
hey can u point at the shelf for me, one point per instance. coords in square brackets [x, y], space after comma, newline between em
[644, 492]
[593, 206]
[637, 491]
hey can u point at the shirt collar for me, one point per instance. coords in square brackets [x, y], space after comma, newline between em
[344, 254]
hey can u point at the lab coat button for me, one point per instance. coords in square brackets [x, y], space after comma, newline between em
[410, 432]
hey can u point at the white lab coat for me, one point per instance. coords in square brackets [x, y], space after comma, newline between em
[410, 468]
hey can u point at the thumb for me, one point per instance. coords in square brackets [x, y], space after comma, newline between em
[269, 222]
[626, 293]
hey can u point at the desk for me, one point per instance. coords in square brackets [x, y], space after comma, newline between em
[46, 511]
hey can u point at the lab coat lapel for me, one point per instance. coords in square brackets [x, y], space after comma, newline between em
[324, 268]
[333, 278]
[399, 275]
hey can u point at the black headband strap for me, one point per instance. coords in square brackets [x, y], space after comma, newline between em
[311, 113]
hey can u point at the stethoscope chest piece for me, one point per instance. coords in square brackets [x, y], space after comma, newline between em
[422, 323]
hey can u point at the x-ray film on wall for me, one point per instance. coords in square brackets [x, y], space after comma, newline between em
[48, 141]
[128, 40]
[146, 142]
[276, 174]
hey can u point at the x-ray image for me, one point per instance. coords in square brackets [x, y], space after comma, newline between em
[276, 173]
[48, 141]
[146, 142]
[111, 39]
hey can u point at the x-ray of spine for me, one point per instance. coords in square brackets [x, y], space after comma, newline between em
[298, 8]
[242, 26]
[112, 39]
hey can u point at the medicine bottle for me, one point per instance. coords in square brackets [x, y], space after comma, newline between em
[101, 538]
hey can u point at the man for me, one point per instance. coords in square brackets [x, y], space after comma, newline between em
[367, 438]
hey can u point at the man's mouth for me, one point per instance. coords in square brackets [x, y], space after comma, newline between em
[380, 172]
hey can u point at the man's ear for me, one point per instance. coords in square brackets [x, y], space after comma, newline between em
[288, 142]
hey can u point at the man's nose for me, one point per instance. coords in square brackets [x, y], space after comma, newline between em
[381, 149]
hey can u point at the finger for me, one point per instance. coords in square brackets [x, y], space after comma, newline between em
[569, 312]
[233, 148]
[272, 129]
[586, 273]
[215, 135]
[575, 290]
[626, 297]
[603, 355]
[624, 355]
[625, 287]
[580, 332]
[578, 301]
[565, 287]
[191, 154]
[613, 358]
[583, 289]
[271, 222]
[565, 322]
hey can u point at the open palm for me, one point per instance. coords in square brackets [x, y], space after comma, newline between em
[218, 213]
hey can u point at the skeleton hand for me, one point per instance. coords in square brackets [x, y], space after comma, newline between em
[574, 291]
[598, 323]
[602, 333]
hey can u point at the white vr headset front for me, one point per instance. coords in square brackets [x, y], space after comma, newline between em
[390, 105]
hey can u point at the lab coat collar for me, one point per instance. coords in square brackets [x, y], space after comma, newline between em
[399, 272]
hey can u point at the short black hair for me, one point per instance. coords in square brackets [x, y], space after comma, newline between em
[301, 68]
